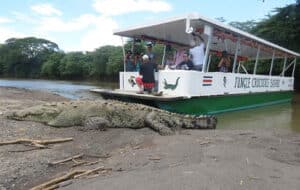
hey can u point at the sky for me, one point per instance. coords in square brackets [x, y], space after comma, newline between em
[83, 25]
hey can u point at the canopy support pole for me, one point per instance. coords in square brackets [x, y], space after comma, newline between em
[132, 47]
[209, 60]
[188, 28]
[209, 33]
[164, 55]
[284, 65]
[226, 46]
[124, 56]
[287, 67]
[236, 54]
[238, 69]
[272, 63]
[124, 66]
[245, 70]
[293, 73]
[256, 60]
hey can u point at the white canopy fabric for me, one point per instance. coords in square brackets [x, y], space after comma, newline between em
[173, 31]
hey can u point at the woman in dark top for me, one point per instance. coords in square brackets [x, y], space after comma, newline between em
[146, 81]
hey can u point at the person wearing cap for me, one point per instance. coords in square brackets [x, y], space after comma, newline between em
[146, 80]
[150, 53]
[186, 64]
[197, 52]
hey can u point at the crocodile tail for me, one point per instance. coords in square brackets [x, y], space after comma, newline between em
[177, 81]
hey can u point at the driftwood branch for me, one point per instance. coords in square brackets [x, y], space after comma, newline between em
[54, 182]
[26, 150]
[67, 159]
[76, 162]
[59, 185]
[92, 163]
[89, 172]
[36, 143]
[86, 163]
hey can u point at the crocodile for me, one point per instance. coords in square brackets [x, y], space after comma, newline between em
[103, 114]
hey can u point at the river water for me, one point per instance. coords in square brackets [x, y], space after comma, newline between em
[277, 116]
[69, 89]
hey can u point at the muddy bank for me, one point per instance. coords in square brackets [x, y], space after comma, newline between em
[259, 158]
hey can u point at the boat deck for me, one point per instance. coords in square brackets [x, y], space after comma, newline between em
[133, 94]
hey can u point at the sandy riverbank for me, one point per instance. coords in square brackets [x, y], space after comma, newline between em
[258, 158]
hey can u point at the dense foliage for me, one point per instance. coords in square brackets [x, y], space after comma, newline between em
[36, 58]
[39, 58]
[283, 28]
[25, 57]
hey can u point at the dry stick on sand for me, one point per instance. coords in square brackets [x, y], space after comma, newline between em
[89, 172]
[92, 163]
[36, 143]
[98, 156]
[62, 184]
[66, 160]
[78, 163]
[54, 182]
[86, 163]
[154, 158]
[27, 150]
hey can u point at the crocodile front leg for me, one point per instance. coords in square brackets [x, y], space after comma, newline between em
[96, 123]
[154, 123]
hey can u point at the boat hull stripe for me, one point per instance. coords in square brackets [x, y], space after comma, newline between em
[220, 104]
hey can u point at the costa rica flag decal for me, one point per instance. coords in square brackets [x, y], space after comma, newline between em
[207, 81]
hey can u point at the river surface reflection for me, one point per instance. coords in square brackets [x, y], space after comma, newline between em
[279, 116]
[276, 116]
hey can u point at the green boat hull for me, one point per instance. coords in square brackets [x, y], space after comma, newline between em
[225, 103]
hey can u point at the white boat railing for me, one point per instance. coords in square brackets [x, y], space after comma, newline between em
[286, 68]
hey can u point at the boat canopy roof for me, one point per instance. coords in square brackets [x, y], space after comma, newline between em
[178, 31]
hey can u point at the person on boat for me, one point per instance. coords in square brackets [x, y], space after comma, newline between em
[170, 58]
[130, 66]
[197, 52]
[149, 52]
[146, 80]
[186, 64]
[224, 63]
[137, 61]
[179, 55]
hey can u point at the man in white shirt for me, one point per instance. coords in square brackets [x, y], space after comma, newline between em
[197, 52]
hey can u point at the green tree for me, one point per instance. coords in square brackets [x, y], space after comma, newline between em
[101, 59]
[115, 63]
[282, 28]
[72, 65]
[50, 68]
[247, 26]
[24, 57]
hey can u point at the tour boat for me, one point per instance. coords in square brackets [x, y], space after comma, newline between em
[206, 92]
